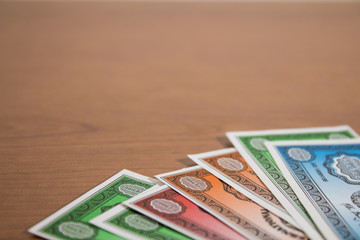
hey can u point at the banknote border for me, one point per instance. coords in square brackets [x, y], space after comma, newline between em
[312, 209]
[101, 221]
[36, 229]
[151, 191]
[263, 175]
[197, 158]
[200, 204]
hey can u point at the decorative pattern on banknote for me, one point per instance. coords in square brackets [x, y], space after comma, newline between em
[77, 230]
[106, 208]
[344, 166]
[264, 158]
[301, 154]
[241, 178]
[89, 205]
[197, 174]
[282, 226]
[266, 161]
[355, 207]
[215, 205]
[177, 218]
[274, 221]
[167, 206]
[233, 217]
[355, 198]
[166, 195]
[317, 196]
[195, 183]
[137, 222]
[227, 188]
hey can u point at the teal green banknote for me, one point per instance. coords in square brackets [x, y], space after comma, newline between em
[135, 226]
[72, 221]
[252, 148]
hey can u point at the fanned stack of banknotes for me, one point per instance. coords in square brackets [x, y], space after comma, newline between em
[275, 184]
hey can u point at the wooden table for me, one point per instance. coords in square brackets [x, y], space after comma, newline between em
[88, 89]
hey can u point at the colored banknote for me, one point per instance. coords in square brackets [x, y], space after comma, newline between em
[72, 221]
[170, 208]
[133, 225]
[230, 166]
[325, 175]
[229, 205]
[251, 146]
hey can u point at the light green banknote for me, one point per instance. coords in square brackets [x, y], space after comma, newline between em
[250, 145]
[134, 225]
[72, 221]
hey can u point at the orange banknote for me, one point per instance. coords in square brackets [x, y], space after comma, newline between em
[229, 205]
[229, 166]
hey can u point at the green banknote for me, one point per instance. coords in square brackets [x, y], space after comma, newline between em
[72, 221]
[252, 148]
[130, 224]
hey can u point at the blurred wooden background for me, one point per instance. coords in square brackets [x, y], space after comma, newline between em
[88, 89]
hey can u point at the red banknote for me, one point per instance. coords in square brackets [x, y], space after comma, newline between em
[170, 208]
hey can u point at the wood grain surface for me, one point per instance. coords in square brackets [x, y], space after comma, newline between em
[88, 89]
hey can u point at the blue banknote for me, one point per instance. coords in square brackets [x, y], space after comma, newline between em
[325, 175]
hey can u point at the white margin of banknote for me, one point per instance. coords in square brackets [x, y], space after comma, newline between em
[292, 209]
[197, 158]
[200, 204]
[36, 229]
[313, 211]
[151, 191]
[101, 221]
